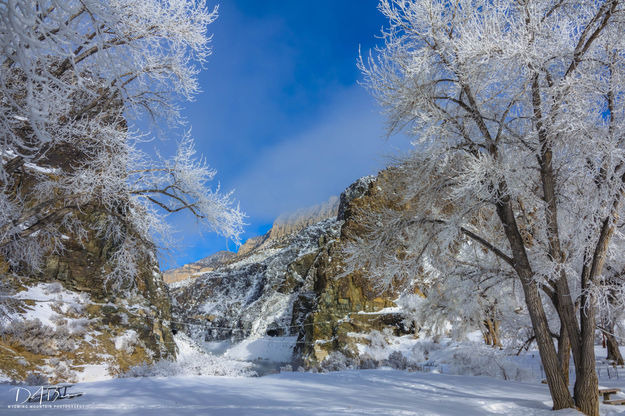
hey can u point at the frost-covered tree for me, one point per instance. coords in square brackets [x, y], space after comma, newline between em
[472, 295]
[517, 113]
[611, 310]
[73, 76]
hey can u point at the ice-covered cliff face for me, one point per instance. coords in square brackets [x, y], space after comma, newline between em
[288, 288]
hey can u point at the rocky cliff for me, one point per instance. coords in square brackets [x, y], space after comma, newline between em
[291, 284]
[66, 324]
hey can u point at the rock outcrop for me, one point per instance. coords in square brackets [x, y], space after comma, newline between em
[67, 324]
[292, 283]
[199, 267]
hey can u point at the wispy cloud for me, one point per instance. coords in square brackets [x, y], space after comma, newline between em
[346, 142]
[281, 117]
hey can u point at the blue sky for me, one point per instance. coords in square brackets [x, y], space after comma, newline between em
[281, 116]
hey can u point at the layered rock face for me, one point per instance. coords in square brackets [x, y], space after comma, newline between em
[68, 325]
[291, 282]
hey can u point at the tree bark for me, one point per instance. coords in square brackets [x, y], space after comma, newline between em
[564, 353]
[559, 390]
[585, 389]
[586, 382]
[491, 332]
[614, 353]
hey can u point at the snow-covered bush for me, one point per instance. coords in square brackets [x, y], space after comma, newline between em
[192, 360]
[205, 365]
[286, 369]
[37, 338]
[397, 360]
[422, 350]
[478, 362]
[53, 288]
[35, 379]
[368, 363]
[79, 326]
[337, 361]
[382, 349]
[127, 341]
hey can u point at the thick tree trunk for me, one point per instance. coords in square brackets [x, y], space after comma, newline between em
[586, 382]
[564, 341]
[614, 353]
[553, 372]
[559, 390]
[585, 390]
[564, 353]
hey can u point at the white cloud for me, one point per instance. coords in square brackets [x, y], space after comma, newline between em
[346, 142]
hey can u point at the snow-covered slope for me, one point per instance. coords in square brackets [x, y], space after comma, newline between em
[284, 227]
[66, 335]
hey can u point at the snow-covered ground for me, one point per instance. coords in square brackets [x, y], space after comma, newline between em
[353, 392]
[450, 387]
[362, 392]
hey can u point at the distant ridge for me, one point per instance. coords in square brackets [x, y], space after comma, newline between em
[289, 224]
[284, 226]
[201, 266]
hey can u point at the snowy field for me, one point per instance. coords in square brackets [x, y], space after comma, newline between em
[363, 392]
[353, 392]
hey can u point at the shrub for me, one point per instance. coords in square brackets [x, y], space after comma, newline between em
[35, 379]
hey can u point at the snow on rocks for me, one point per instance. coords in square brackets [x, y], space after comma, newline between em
[45, 297]
[248, 298]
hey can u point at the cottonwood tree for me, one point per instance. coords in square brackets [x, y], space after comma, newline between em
[472, 294]
[73, 75]
[612, 306]
[517, 111]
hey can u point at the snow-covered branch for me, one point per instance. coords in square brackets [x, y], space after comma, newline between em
[73, 74]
